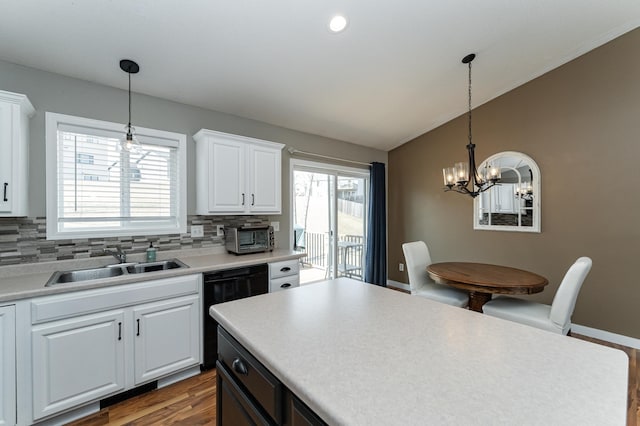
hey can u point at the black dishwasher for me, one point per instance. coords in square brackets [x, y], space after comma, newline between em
[224, 286]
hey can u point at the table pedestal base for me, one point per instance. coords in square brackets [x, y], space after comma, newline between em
[476, 300]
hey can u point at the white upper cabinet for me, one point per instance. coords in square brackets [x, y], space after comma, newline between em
[15, 110]
[237, 174]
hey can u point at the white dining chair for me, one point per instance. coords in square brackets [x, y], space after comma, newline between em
[417, 256]
[555, 317]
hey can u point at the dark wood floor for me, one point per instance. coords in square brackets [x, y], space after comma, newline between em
[192, 402]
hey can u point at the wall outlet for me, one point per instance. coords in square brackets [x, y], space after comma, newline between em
[276, 226]
[220, 230]
[197, 231]
[401, 267]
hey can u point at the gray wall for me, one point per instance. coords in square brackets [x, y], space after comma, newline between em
[581, 124]
[56, 93]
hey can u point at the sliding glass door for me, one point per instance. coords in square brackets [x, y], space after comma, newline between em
[329, 219]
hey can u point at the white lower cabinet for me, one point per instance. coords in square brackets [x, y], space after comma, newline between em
[7, 366]
[77, 360]
[167, 337]
[91, 344]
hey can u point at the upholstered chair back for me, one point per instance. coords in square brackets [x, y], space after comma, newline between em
[564, 301]
[417, 256]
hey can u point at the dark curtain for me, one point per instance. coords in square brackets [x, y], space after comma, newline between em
[376, 262]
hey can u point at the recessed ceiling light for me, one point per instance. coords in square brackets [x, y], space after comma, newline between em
[338, 23]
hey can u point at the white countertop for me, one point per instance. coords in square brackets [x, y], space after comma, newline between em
[358, 354]
[28, 280]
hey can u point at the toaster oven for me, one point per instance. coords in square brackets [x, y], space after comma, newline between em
[249, 239]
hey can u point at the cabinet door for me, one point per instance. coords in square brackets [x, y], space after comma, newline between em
[6, 158]
[300, 414]
[7, 366]
[265, 179]
[77, 360]
[226, 171]
[167, 337]
[234, 406]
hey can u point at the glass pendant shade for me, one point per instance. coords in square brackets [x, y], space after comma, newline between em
[129, 142]
[461, 172]
[449, 173]
[493, 174]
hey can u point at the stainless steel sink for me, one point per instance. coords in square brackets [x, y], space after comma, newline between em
[63, 277]
[141, 268]
[83, 275]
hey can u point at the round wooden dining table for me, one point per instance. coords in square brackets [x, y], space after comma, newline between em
[483, 280]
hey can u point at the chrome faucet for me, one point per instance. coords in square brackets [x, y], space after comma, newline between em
[118, 254]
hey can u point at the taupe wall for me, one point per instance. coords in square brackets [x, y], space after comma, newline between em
[57, 93]
[581, 124]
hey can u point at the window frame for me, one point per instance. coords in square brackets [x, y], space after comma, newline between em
[52, 122]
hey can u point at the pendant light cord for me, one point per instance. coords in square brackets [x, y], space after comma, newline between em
[469, 102]
[130, 100]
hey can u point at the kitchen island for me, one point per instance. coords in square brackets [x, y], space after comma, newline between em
[358, 354]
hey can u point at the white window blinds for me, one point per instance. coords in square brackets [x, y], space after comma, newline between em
[102, 190]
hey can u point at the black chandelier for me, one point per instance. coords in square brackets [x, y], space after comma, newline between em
[465, 178]
[129, 142]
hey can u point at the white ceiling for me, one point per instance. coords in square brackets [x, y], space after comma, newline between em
[392, 75]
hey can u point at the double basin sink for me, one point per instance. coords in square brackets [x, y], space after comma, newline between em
[64, 277]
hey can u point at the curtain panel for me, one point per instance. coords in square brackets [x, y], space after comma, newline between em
[376, 259]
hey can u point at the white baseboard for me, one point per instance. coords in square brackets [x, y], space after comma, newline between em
[70, 416]
[618, 339]
[398, 284]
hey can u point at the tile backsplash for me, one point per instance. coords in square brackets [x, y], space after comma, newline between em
[23, 239]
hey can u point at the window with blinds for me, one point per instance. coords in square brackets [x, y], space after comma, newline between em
[95, 188]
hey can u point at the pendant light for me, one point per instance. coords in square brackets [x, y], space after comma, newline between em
[464, 177]
[129, 142]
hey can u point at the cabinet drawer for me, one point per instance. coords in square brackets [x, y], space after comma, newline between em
[258, 381]
[284, 283]
[284, 268]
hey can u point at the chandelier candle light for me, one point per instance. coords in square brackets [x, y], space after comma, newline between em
[129, 142]
[465, 178]
[524, 191]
